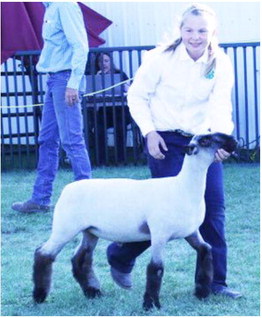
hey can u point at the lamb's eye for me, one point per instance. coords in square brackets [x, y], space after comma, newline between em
[205, 142]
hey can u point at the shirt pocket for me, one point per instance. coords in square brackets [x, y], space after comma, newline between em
[202, 89]
[49, 29]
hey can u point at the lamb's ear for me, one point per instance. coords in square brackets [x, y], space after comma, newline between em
[231, 144]
[227, 142]
[205, 141]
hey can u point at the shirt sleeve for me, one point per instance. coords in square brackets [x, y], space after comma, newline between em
[73, 25]
[221, 97]
[144, 85]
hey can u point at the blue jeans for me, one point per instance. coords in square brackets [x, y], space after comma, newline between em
[60, 122]
[122, 257]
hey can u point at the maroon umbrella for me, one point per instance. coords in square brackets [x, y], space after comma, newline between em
[21, 26]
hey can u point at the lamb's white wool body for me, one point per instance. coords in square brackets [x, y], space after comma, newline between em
[117, 209]
[125, 210]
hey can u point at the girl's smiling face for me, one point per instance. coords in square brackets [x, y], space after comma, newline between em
[196, 33]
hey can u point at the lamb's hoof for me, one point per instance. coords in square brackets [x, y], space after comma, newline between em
[202, 292]
[92, 292]
[39, 295]
[149, 303]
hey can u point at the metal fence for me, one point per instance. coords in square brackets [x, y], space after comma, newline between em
[111, 135]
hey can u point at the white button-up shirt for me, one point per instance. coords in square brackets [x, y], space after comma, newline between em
[170, 91]
[65, 42]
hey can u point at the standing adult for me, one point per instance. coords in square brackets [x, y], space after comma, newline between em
[63, 58]
[181, 90]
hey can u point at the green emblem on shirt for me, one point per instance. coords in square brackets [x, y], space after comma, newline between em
[210, 75]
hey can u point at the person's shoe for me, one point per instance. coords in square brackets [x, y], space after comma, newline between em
[124, 280]
[29, 207]
[226, 291]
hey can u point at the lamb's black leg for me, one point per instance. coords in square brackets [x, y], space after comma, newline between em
[155, 271]
[154, 279]
[82, 266]
[42, 275]
[204, 274]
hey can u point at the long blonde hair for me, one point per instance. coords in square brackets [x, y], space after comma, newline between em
[200, 9]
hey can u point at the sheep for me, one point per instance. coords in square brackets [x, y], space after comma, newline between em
[126, 210]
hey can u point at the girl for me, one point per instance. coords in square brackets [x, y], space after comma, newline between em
[181, 90]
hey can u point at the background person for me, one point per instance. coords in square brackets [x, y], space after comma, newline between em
[63, 57]
[105, 115]
[182, 90]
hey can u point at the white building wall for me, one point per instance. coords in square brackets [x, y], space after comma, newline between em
[148, 23]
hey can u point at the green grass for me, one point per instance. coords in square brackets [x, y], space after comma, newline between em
[21, 234]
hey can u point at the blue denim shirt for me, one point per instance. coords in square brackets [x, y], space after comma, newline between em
[65, 42]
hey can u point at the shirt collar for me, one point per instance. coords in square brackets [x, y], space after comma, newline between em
[184, 56]
[47, 4]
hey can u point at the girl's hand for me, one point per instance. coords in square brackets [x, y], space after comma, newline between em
[154, 142]
[221, 155]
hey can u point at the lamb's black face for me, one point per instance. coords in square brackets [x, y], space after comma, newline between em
[214, 141]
